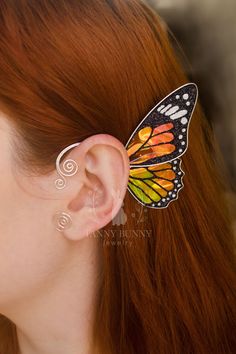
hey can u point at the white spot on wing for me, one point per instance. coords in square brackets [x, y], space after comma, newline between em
[166, 108]
[160, 108]
[172, 110]
[184, 120]
[179, 114]
[185, 96]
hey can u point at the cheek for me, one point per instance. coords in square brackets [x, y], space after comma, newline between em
[29, 249]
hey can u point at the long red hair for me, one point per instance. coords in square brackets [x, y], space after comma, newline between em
[71, 69]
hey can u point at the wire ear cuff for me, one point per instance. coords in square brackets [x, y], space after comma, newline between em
[154, 150]
[69, 167]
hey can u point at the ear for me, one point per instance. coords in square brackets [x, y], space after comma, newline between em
[94, 195]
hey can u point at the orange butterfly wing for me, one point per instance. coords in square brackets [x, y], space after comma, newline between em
[155, 146]
[151, 142]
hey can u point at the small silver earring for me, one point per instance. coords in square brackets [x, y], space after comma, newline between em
[63, 221]
[69, 168]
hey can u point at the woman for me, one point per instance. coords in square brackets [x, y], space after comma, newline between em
[155, 280]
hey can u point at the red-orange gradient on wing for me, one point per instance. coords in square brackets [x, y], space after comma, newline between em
[149, 143]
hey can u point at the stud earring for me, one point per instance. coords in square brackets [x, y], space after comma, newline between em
[63, 221]
[69, 168]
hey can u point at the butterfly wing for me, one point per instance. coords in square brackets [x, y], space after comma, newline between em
[163, 133]
[157, 185]
[155, 146]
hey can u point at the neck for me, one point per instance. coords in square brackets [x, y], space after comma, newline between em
[60, 318]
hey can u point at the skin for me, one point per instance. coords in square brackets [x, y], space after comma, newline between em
[49, 279]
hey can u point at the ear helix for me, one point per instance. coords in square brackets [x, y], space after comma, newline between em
[63, 220]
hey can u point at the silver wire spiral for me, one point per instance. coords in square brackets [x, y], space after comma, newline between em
[62, 220]
[69, 167]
